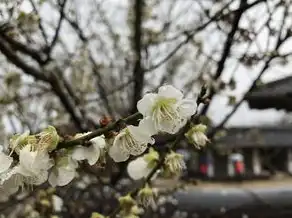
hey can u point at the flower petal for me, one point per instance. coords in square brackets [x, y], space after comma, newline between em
[79, 153]
[61, 176]
[137, 169]
[40, 178]
[147, 126]
[5, 162]
[171, 127]
[168, 91]
[93, 155]
[187, 108]
[99, 141]
[117, 154]
[140, 135]
[144, 106]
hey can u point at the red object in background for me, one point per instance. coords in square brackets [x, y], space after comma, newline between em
[239, 167]
[203, 168]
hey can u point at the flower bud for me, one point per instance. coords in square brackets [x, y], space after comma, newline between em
[146, 196]
[127, 202]
[196, 135]
[19, 141]
[49, 139]
[174, 163]
[151, 158]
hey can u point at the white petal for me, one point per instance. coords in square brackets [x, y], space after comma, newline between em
[43, 161]
[140, 135]
[171, 127]
[40, 178]
[187, 108]
[137, 169]
[5, 162]
[93, 155]
[61, 176]
[53, 179]
[169, 91]
[145, 105]
[79, 153]
[99, 141]
[147, 126]
[117, 154]
[9, 187]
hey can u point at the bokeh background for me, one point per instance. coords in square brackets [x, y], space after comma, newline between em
[70, 63]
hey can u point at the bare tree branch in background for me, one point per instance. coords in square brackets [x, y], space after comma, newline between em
[73, 62]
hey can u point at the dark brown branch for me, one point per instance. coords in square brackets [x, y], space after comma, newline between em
[226, 51]
[57, 88]
[99, 82]
[98, 132]
[35, 54]
[190, 34]
[138, 73]
[44, 34]
[15, 59]
[279, 42]
[57, 31]
[37, 74]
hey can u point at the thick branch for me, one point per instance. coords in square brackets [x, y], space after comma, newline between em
[33, 53]
[37, 74]
[138, 73]
[15, 59]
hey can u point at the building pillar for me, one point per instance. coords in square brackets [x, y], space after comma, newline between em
[211, 168]
[256, 162]
[221, 163]
[247, 153]
[289, 160]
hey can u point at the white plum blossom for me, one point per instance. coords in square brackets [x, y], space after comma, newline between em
[196, 135]
[142, 166]
[138, 168]
[18, 141]
[5, 160]
[64, 170]
[132, 140]
[33, 165]
[167, 109]
[91, 153]
[174, 163]
[10, 181]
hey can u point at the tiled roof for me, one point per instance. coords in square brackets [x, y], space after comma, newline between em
[257, 137]
[276, 94]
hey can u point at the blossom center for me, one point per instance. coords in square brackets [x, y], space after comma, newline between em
[164, 109]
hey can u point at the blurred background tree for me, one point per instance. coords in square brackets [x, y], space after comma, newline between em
[71, 63]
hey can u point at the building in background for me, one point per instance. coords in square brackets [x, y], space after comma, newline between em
[254, 152]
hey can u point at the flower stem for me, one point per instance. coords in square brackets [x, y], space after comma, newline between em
[130, 119]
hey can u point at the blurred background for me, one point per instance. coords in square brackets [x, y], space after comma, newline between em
[70, 63]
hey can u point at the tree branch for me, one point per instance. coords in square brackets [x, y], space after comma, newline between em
[226, 51]
[138, 73]
[57, 31]
[15, 59]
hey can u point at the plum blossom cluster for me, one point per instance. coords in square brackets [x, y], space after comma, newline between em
[166, 111]
[31, 160]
